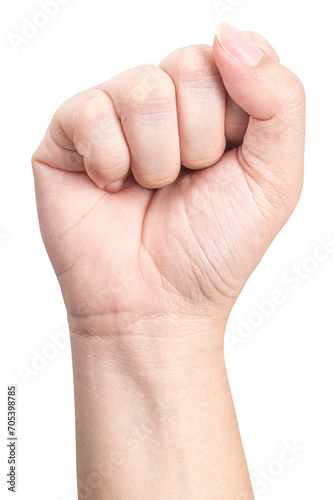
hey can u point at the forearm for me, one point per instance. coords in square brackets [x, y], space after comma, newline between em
[154, 414]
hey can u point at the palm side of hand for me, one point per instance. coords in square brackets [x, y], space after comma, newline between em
[187, 247]
[180, 248]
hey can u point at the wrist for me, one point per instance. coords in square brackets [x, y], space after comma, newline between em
[151, 397]
[156, 354]
[148, 401]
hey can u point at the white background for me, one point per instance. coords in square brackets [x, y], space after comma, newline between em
[281, 374]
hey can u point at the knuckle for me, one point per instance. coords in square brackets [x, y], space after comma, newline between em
[110, 161]
[81, 105]
[159, 179]
[93, 117]
[115, 165]
[153, 91]
[202, 158]
[157, 183]
[95, 124]
[195, 65]
[295, 94]
[103, 175]
[197, 162]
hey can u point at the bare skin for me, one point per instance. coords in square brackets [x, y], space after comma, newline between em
[150, 266]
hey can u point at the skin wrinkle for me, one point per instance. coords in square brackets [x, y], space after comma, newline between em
[75, 154]
[49, 133]
[85, 216]
[226, 243]
[202, 250]
[247, 171]
[143, 246]
[196, 281]
[63, 273]
[119, 118]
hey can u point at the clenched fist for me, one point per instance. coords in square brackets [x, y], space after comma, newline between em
[159, 191]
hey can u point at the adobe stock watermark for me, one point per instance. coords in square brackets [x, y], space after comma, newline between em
[262, 478]
[41, 358]
[225, 7]
[265, 476]
[119, 282]
[32, 26]
[292, 279]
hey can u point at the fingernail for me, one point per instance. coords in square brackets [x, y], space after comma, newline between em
[114, 187]
[238, 45]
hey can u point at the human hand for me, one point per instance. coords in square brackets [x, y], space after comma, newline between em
[150, 266]
[160, 244]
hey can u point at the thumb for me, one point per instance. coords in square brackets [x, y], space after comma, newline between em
[272, 152]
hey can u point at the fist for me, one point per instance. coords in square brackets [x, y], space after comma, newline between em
[159, 191]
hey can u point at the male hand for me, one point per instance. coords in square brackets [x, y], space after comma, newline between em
[211, 145]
